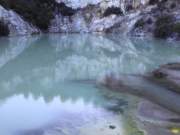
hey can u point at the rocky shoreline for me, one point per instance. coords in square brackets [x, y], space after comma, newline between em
[156, 120]
[160, 92]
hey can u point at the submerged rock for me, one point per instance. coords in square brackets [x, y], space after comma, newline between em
[155, 114]
[159, 113]
[168, 75]
[112, 126]
[145, 88]
[156, 120]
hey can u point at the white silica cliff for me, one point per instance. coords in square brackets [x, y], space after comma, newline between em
[15, 23]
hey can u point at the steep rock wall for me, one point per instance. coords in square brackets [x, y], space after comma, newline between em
[130, 17]
[105, 3]
[90, 15]
[16, 25]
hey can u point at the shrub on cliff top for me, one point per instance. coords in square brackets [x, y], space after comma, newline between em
[163, 26]
[176, 28]
[166, 26]
[4, 30]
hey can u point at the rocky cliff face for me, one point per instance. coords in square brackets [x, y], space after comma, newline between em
[104, 3]
[16, 25]
[132, 17]
[161, 20]
[97, 15]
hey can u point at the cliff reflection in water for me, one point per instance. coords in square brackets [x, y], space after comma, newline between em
[37, 65]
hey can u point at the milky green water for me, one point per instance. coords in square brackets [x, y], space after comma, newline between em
[45, 87]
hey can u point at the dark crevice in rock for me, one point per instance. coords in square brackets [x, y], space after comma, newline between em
[112, 10]
[129, 8]
[65, 10]
[153, 2]
[4, 30]
[139, 23]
